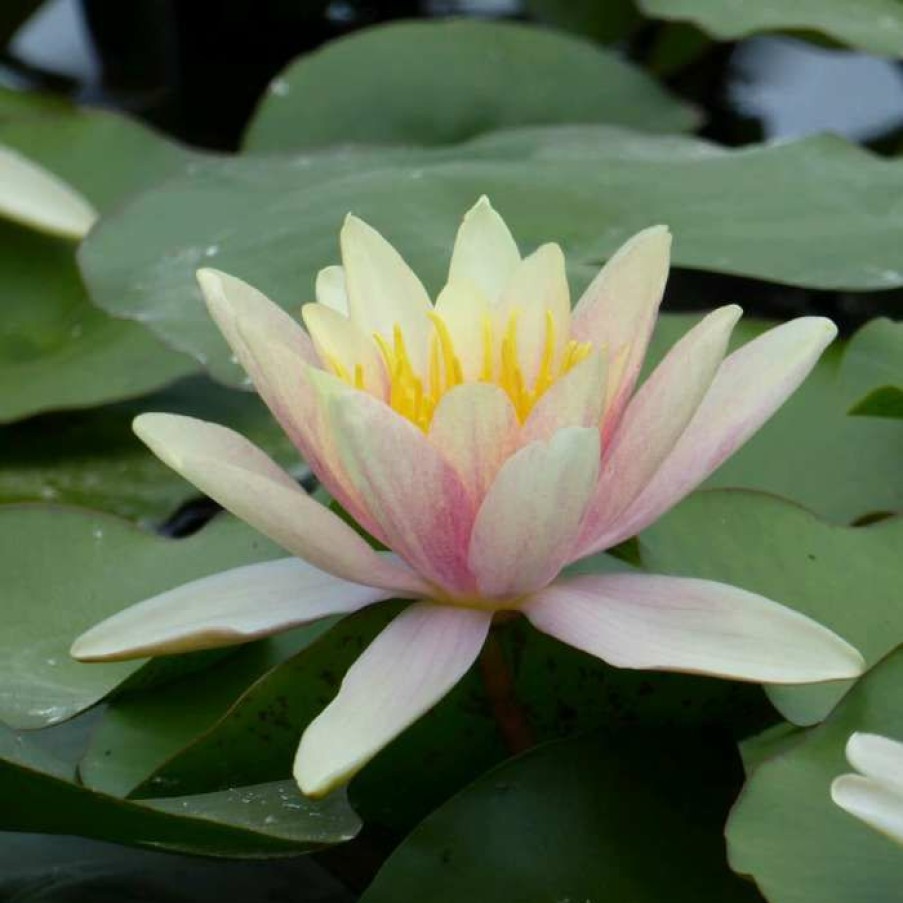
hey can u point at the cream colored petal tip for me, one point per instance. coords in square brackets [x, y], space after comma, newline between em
[34, 196]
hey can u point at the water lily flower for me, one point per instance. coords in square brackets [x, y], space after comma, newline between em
[488, 441]
[875, 795]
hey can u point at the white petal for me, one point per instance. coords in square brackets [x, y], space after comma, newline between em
[34, 196]
[247, 482]
[876, 804]
[696, 626]
[485, 253]
[227, 608]
[404, 672]
[331, 290]
[879, 758]
[465, 311]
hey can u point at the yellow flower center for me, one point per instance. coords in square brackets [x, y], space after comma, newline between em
[416, 397]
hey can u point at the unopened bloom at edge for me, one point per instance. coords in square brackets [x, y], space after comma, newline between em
[875, 795]
[488, 440]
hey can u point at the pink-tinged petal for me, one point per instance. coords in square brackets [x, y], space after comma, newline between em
[465, 311]
[696, 626]
[342, 348]
[404, 672]
[232, 607]
[331, 290]
[527, 524]
[485, 253]
[475, 428]
[619, 308]
[749, 387]
[874, 803]
[406, 485]
[244, 480]
[576, 399]
[656, 417]
[383, 291]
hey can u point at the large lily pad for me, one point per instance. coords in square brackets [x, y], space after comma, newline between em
[56, 349]
[40, 794]
[64, 570]
[96, 461]
[634, 816]
[787, 834]
[847, 578]
[872, 25]
[873, 367]
[273, 221]
[444, 82]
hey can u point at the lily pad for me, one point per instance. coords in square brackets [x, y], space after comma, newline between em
[616, 817]
[847, 578]
[66, 569]
[40, 794]
[873, 368]
[445, 82]
[872, 25]
[96, 461]
[273, 221]
[792, 839]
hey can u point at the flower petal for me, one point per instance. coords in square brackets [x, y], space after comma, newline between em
[475, 428]
[527, 524]
[485, 253]
[873, 802]
[619, 308]
[383, 291]
[879, 758]
[656, 417]
[697, 626]
[406, 484]
[343, 347]
[34, 196]
[331, 290]
[247, 482]
[749, 387]
[234, 606]
[465, 311]
[404, 672]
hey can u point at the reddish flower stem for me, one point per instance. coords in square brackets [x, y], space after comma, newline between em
[507, 711]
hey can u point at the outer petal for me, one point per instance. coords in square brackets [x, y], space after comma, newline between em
[879, 806]
[404, 672]
[382, 289]
[485, 253]
[475, 428]
[696, 626]
[620, 306]
[656, 417]
[331, 290]
[407, 486]
[878, 758]
[527, 524]
[465, 311]
[33, 195]
[576, 399]
[251, 485]
[750, 386]
[340, 343]
[231, 607]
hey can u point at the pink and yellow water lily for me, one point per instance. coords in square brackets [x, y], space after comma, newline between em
[488, 440]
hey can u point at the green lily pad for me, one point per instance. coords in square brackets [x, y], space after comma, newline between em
[873, 368]
[40, 795]
[847, 578]
[884, 402]
[274, 221]
[65, 570]
[56, 349]
[789, 836]
[445, 82]
[608, 22]
[872, 25]
[96, 461]
[633, 816]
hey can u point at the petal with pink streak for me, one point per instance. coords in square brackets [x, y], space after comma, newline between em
[619, 308]
[245, 481]
[407, 486]
[695, 626]
[530, 518]
[656, 417]
[475, 428]
[575, 399]
[485, 253]
[404, 672]
[231, 607]
[751, 384]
